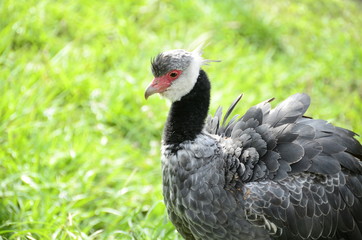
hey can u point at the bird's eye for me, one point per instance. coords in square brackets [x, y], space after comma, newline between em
[173, 74]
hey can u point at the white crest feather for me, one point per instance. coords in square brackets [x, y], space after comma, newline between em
[199, 51]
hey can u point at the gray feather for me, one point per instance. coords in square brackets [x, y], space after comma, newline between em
[270, 174]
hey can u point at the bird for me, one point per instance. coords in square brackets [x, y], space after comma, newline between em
[272, 173]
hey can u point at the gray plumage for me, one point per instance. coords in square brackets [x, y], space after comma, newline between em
[177, 59]
[270, 174]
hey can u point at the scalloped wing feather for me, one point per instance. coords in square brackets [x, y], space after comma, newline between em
[301, 144]
[297, 174]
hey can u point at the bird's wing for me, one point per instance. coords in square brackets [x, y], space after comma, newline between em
[289, 167]
[307, 206]
[274, 143]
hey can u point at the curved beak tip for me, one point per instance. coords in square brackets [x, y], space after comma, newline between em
[150, 91]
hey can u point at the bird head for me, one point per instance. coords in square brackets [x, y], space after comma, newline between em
[175, 73]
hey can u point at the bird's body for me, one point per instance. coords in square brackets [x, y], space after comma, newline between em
[271, 174]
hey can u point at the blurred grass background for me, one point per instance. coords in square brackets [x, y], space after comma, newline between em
[79, 145]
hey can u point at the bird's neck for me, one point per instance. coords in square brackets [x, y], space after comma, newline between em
[187, 116]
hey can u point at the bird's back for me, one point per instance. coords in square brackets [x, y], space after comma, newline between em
[300, 178]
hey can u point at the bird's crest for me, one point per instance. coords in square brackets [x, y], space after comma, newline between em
[198, 51]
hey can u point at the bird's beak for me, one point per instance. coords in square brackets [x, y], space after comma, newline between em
[158, 85]
[150, 90]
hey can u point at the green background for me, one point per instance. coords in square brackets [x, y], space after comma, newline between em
[79, 145]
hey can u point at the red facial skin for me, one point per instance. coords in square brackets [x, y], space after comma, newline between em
[163, 82]
[160, 84]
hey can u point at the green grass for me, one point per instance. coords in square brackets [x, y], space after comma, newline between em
[79, 145]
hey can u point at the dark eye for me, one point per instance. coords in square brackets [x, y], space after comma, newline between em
[173, 74]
